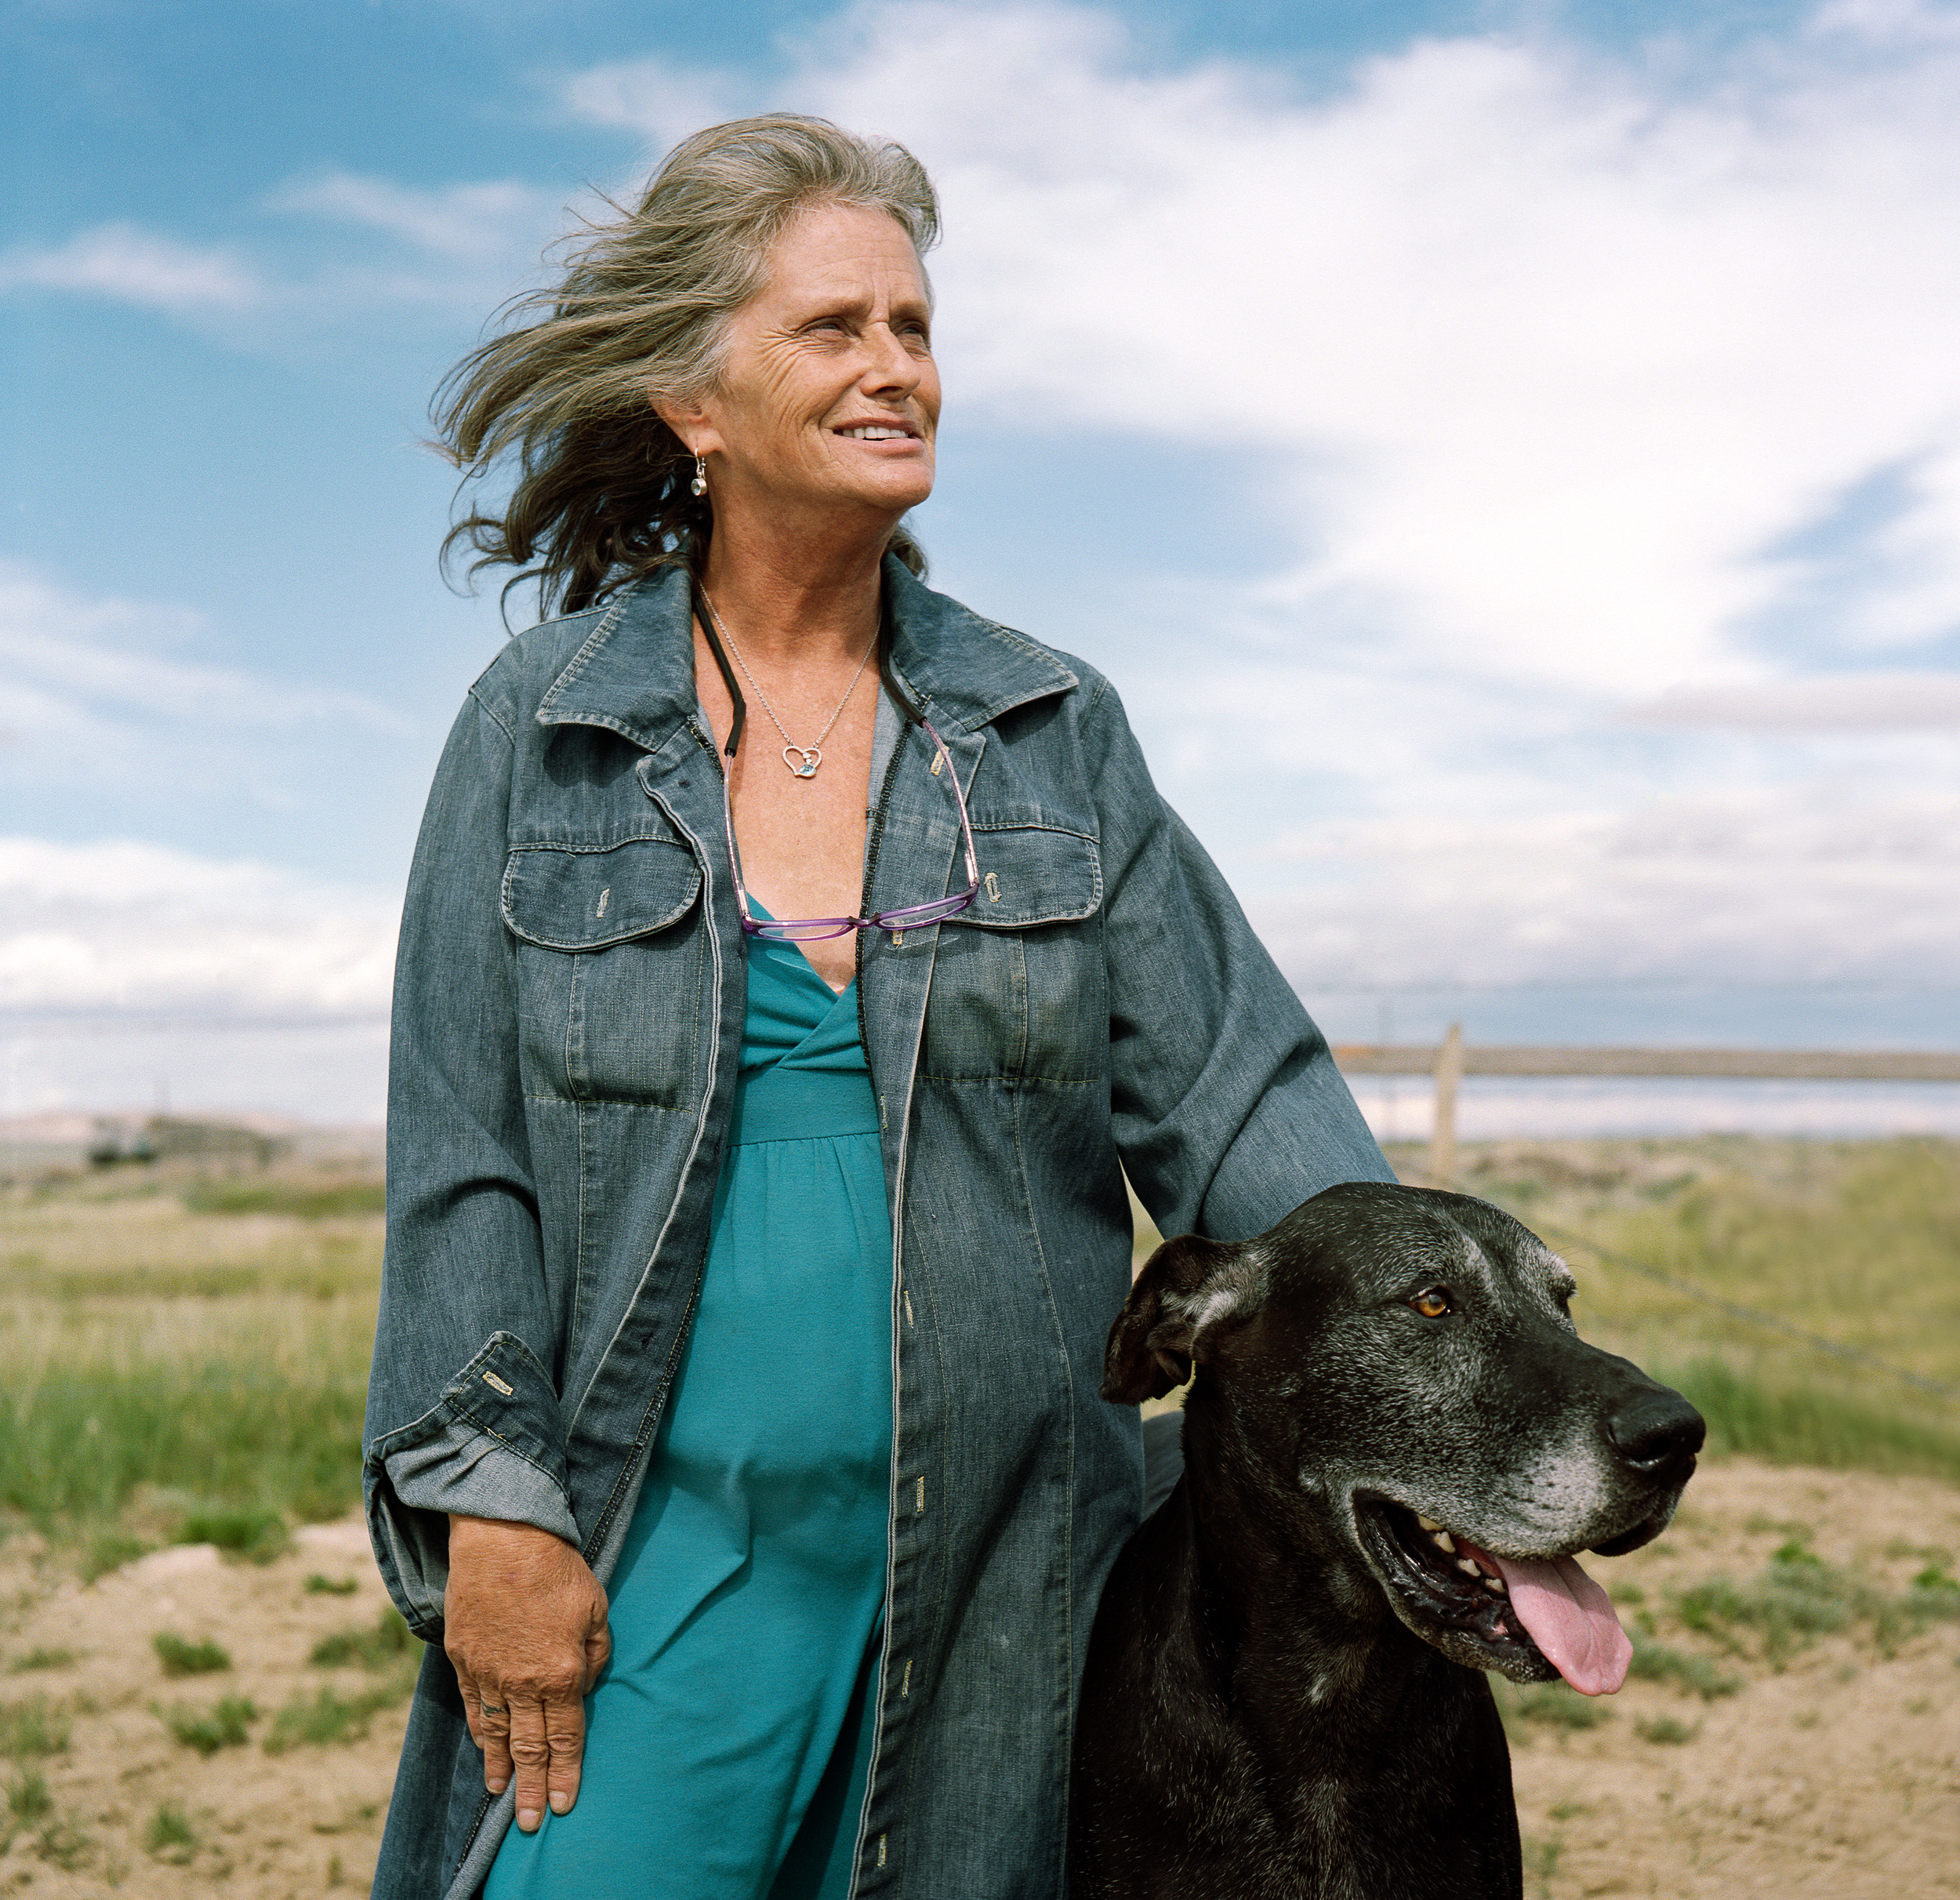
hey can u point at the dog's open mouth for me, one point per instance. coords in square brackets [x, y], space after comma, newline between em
[1529, 1615]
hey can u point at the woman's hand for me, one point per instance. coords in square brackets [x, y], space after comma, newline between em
[525, 1624]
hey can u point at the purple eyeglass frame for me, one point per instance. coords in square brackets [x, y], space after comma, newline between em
[815, 929]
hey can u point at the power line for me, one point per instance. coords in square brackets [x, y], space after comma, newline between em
[1772, 1322]
[1734, 1309]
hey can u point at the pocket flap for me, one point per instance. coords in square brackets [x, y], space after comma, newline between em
[584, 897]
[1033, 874]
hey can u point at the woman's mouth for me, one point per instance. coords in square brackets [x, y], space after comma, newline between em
[876, 432]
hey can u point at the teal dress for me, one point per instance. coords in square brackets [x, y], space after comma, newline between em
[728, 1739]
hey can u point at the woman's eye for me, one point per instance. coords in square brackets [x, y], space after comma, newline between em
[1432, 1302]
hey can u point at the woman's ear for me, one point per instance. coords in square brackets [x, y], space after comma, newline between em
[692, 424]
[1186, 1287]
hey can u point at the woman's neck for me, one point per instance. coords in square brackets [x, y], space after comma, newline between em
[792, 596]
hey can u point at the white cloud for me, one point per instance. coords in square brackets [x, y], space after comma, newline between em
[1833, 703]
[137, 929]
[656, 97]
[472, 222]
[83, 678]
[1558, 353]
[130, 265]
[1578, 386]
[132, 977]
[453, 249]
[1816, 885]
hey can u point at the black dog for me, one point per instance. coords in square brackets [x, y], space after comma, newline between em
[1396, 1441]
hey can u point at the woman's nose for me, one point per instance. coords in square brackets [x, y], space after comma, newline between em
[892, 366]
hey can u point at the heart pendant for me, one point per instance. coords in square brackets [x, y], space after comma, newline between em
[803, 761]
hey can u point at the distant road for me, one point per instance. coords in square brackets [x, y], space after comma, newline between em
[1790, 1065]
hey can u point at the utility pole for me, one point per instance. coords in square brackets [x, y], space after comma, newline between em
[1442, 1136]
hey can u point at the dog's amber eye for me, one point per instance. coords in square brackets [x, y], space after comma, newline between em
[1432, 1302]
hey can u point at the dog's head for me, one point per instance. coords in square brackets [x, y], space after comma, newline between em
[1397, 1373]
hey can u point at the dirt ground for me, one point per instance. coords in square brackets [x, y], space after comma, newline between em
[1839, 1776]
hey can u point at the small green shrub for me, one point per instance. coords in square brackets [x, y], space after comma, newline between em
[260, 1536]
[110, 1550]
[207, 1731]
[1798, 1597]
[62, 1845]
[1541, 1860]
[1696, 1675]
[169, 1833]
[181, 1659]
[317, 1585]
[329, 1716]
[1903, 1617]
[27, 1796]
[1665, 1730]
[387, 1642]
[1795, 1599]
[1547, 1706]
[35, 1727]
[41, 1659]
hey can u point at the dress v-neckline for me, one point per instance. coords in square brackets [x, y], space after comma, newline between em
[802, 964]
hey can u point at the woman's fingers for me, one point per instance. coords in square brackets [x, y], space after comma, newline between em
[527, 1633]
[598, 1644]
[540, 1739]
[491, 1728]
[565, 1734]
[530, 1756]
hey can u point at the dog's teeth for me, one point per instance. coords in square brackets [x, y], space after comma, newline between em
[1428, 1524]
[1495, 1586]
[1468, 1568]
[1443, 1540]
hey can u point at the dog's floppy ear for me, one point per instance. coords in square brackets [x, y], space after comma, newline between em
[1186, 1287]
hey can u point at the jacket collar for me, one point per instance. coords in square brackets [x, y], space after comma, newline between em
[635, 672]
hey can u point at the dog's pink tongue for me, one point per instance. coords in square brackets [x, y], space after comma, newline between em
[1571, 1618]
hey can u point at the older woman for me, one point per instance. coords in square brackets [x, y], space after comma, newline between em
[793, 964]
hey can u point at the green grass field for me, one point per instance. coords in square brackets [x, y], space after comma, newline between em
[1855, 1242]
[184, 1358]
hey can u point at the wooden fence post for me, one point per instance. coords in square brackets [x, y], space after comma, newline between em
[1442, 1136]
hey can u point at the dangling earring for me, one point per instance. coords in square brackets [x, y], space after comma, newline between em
[699, 483]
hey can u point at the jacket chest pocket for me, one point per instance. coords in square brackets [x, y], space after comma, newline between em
[610, 956]
[1017, 985]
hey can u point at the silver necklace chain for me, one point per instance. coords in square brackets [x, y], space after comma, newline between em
[808, 758]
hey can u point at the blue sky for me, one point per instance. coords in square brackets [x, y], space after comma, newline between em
[1508, 457]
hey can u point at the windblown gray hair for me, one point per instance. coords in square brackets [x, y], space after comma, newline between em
[639, 314]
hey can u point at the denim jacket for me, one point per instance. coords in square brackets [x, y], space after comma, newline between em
[568, 1009]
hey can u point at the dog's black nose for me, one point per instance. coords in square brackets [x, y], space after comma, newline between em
[1656, 1428]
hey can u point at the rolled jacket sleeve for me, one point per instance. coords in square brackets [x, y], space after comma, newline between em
[462, 1413]
[1228, 1109]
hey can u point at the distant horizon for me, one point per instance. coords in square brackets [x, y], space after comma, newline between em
[1489, 1108]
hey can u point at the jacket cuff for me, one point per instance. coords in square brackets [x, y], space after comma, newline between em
[491, 1447]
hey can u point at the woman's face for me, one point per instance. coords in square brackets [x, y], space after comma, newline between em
[829, 397]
